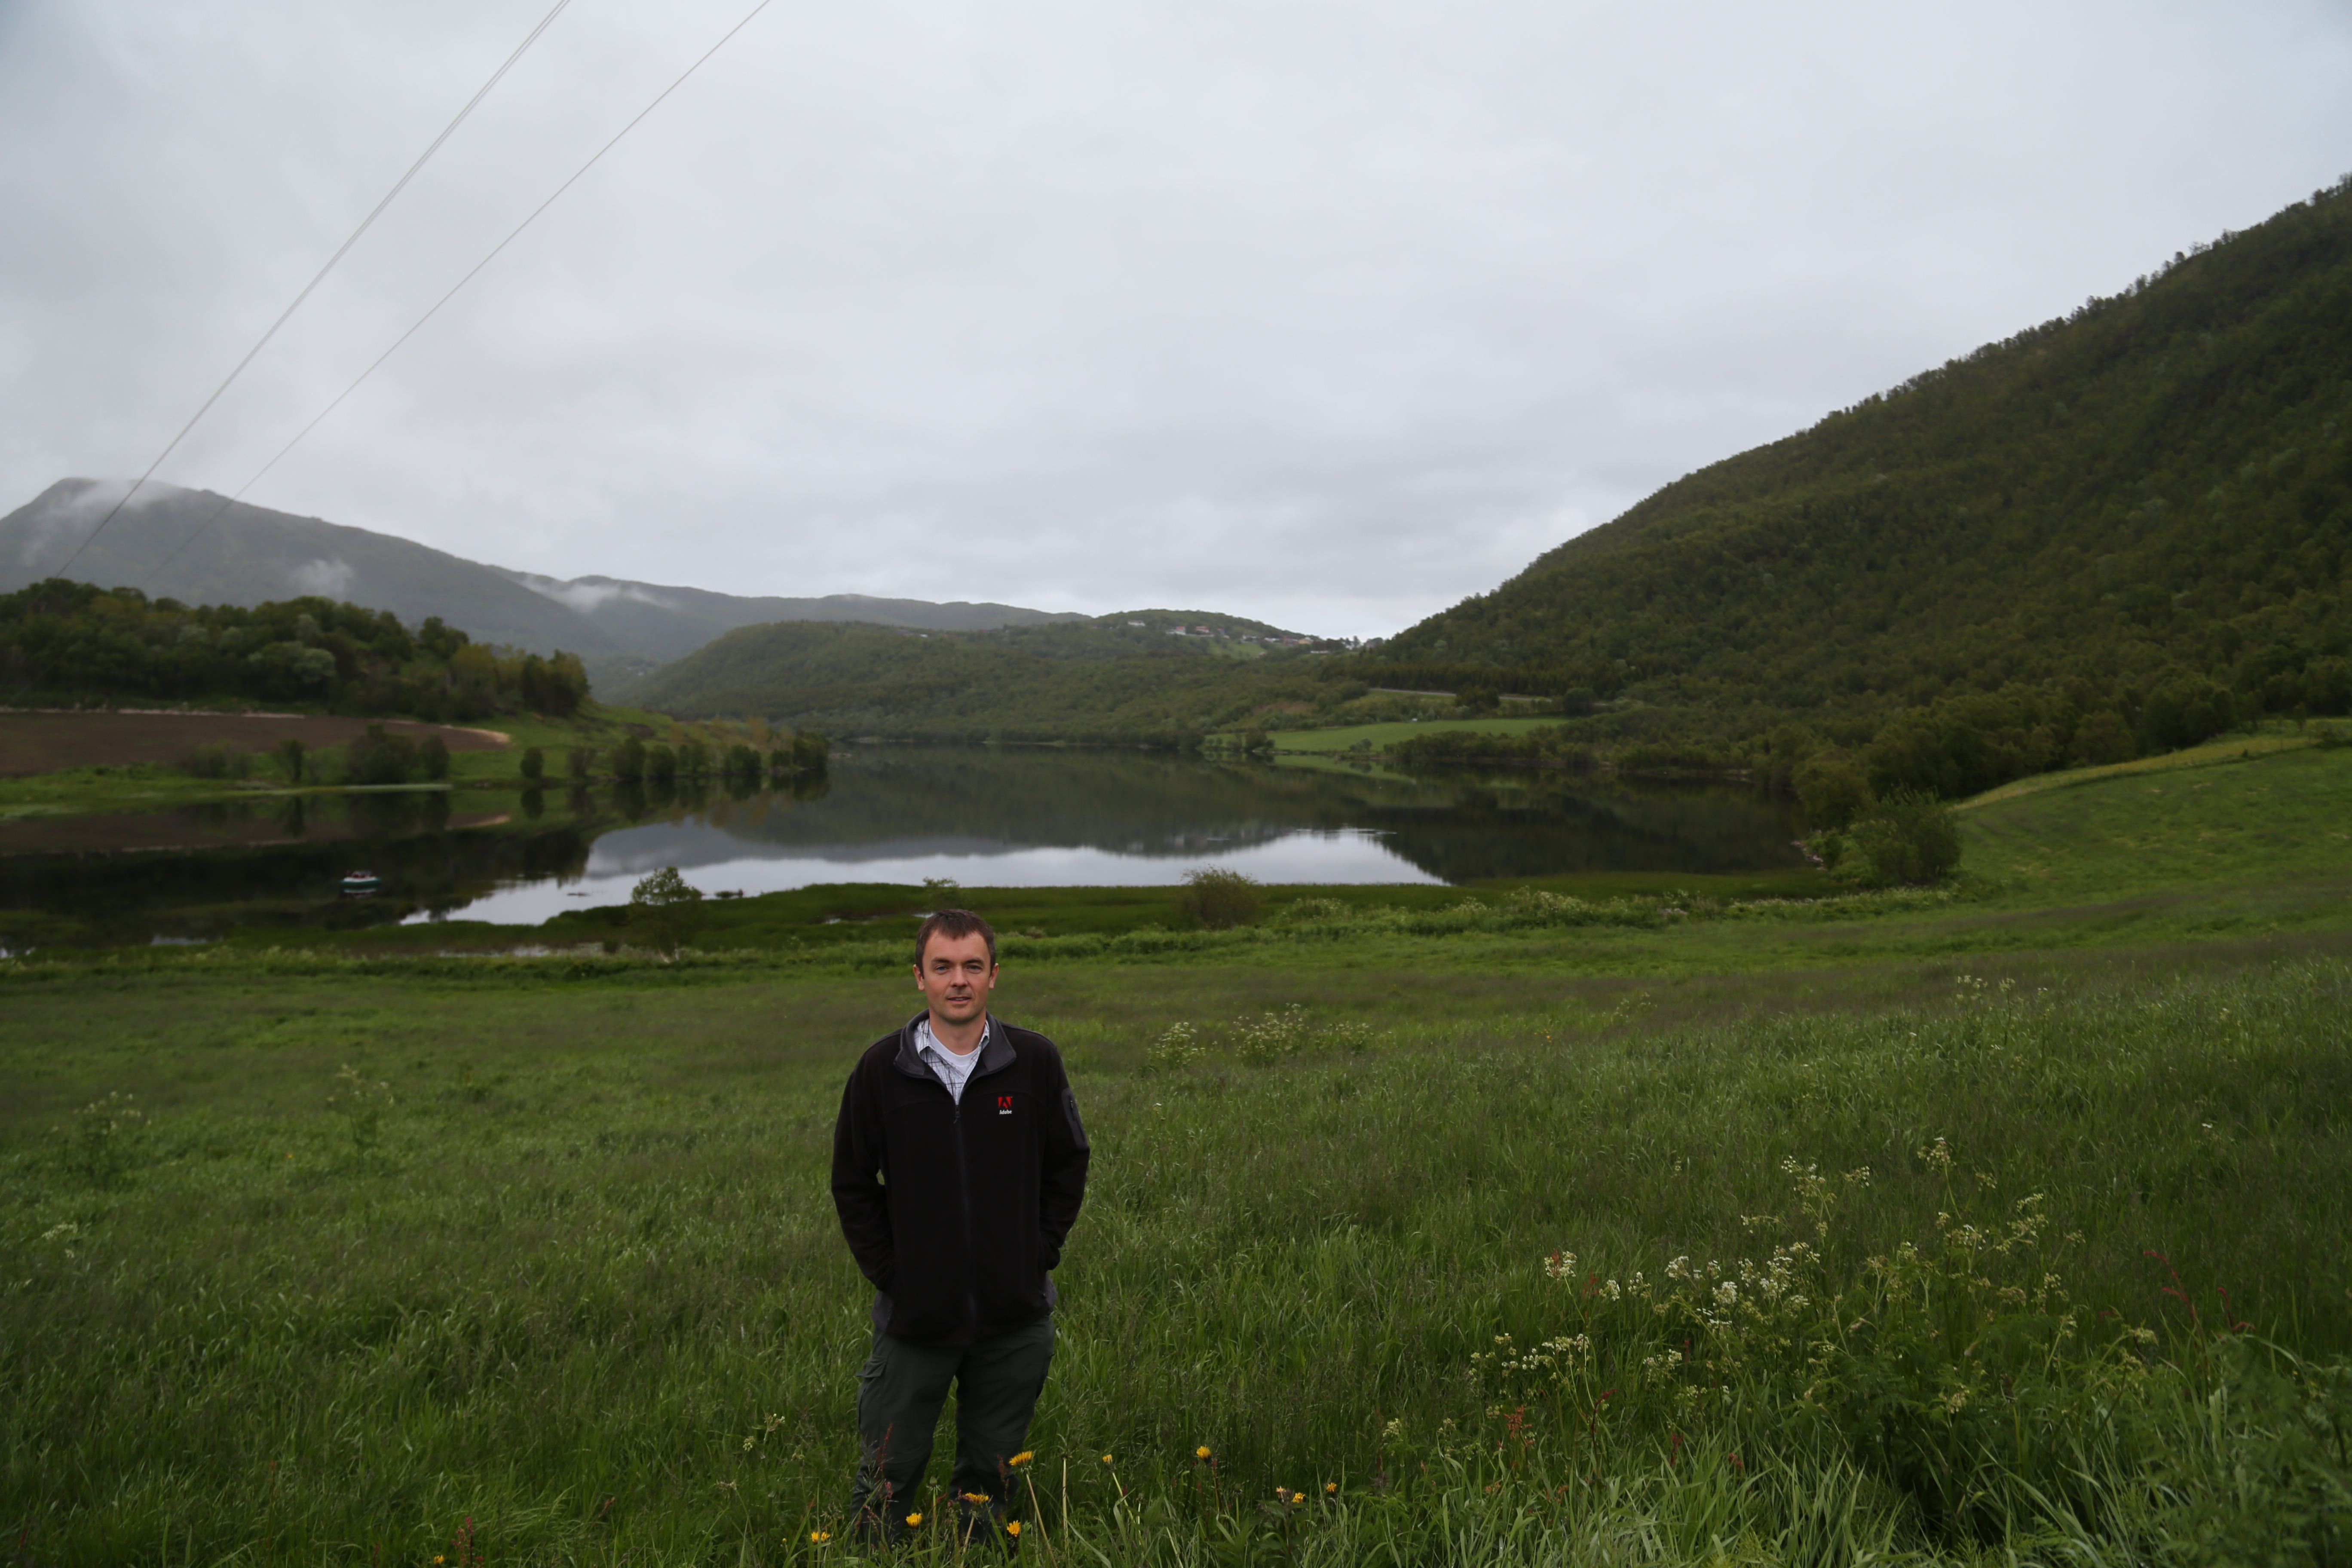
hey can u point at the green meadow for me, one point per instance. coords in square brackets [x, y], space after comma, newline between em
[1576, 1223]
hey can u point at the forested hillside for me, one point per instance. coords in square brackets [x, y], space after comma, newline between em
[73, 643]
[2124, 529]
[1152, 676]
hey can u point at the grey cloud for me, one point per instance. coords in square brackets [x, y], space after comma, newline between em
[589, 596]
[328, 578]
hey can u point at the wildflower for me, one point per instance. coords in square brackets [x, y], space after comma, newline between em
[1202, 1452]
[1106, 1458]
[975, 1497]
[816, 1538]
[1023, 1458]
[1013, 1529]
[914, 1522]
[747, 1445]
[1331, 1487]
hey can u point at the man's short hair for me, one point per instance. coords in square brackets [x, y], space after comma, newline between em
[953, 924]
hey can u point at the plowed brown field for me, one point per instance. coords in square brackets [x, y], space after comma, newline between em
[44, 742]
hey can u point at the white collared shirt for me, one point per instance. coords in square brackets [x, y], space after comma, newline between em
[946, 1065]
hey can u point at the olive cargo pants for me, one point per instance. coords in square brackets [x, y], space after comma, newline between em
[900, 1391]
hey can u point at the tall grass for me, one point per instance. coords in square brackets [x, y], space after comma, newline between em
[572, 1290]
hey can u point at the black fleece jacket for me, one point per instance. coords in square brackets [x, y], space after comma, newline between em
[956, 1211]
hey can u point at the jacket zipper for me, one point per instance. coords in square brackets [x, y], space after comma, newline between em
[963, 1187]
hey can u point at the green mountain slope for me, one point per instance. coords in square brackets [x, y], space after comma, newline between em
[1135, 676]
[2152, 494]
[249, 556]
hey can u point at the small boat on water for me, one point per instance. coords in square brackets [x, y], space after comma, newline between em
[359, 884]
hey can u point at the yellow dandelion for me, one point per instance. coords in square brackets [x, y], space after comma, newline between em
[914, 1522]
[818, 1537]
[1023, 1458]
[1106, 1458]
[1332, 1487]
[1202, 1452]
[1013, 1528]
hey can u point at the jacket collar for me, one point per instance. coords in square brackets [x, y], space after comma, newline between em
[994, 1056]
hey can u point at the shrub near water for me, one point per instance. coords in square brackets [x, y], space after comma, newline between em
[1219, 899]
[1908, 838]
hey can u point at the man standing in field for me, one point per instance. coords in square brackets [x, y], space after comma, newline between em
[959, 1164]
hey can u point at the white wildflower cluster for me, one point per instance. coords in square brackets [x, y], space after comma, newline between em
[1268, 1038]
[1315, 912]
[362, 1103]
[1554, 1357]
[1976, 988]
[105, 1135]
[1535, 904]
[1561, 1266]
[1816, 1195]
[1780, 1316]
[1271, 1035]
[1177, 1047]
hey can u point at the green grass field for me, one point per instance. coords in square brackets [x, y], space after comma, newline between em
[550, 1273]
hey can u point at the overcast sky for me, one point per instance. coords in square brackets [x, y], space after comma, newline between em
[1328, 311]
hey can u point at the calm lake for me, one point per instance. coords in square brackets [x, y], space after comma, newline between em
[984, 818]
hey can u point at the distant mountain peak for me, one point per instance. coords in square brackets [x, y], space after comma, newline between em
[250, 554]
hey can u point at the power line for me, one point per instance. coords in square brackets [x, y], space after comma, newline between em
[398, 185]
[517, 232]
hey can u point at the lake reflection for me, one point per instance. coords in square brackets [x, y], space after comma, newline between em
[1043, 818]
[1009, 817]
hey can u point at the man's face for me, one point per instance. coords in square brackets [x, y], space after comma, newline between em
[956, 976]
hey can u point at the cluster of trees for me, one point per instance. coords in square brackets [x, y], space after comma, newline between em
[1553, 747]
[1951, 747]
[375, 758]
[636, 762]
[1907, 837]
[73, 643]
